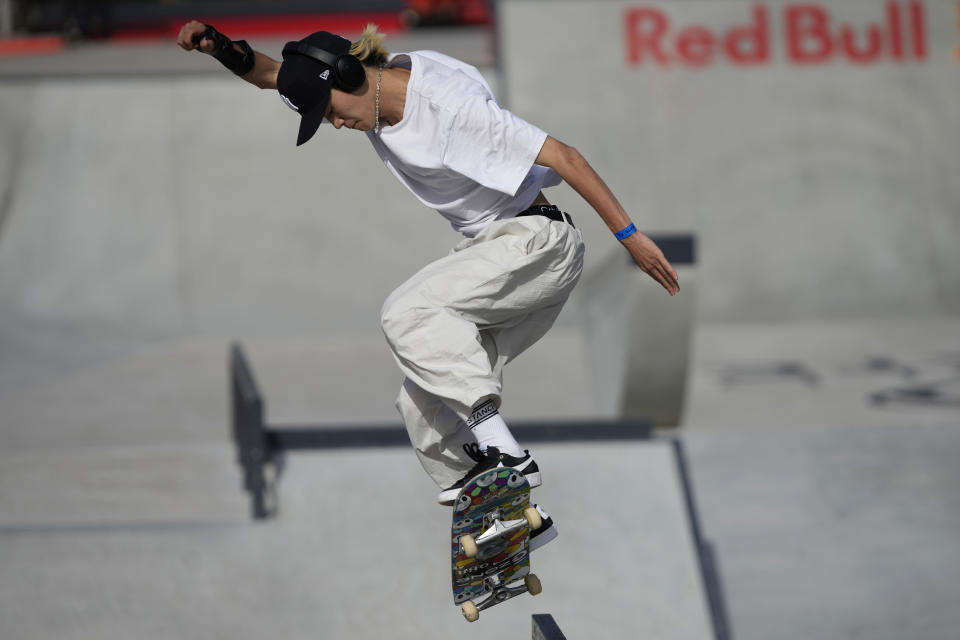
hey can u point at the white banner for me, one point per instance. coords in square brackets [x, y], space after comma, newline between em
[814, 148]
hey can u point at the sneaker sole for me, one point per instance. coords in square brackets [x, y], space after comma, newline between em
[547, 536]
[534, 479]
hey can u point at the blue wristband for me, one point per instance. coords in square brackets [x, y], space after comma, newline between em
[626, 233]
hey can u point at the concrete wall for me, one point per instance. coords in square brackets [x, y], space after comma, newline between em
[820, 185]
[172, 204]
[182, 207]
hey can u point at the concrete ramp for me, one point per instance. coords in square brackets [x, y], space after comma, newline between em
[152, 542]
[124, 516]
[171, 214]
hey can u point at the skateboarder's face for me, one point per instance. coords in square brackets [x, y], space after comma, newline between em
[352, 110]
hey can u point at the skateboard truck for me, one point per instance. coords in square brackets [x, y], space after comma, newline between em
[500, 592]
[497, 530]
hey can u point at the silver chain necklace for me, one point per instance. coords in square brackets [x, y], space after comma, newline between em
[376, 120]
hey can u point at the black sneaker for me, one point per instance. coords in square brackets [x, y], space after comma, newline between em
[491, 459]
[546, 533]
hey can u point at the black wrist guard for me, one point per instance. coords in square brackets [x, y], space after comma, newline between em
[238, 62]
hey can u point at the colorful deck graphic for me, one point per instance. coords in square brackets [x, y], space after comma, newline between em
[505, 490]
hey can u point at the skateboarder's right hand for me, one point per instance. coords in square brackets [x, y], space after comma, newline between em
[187, 39]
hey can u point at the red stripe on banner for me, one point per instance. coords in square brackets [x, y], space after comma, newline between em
[31, 46]
[918, 24]
[956, 50]
[241, 28]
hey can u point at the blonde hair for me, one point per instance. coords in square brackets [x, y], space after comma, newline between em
[369, 48]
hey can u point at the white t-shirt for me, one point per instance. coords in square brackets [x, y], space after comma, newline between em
[456, 150]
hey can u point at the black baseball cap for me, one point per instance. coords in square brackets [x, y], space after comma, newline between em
[304, 82]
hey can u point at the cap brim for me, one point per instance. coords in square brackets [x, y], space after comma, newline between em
[311, 121]
[306, 90]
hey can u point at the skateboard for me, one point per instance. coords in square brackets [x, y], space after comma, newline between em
[490, 540]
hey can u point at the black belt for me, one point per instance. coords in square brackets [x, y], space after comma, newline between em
[549, 211]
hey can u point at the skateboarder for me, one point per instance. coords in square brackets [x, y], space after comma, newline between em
[435, 124]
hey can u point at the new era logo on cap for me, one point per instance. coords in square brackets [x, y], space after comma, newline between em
[325, 75]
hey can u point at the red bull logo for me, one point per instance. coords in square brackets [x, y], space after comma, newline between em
[811, 35]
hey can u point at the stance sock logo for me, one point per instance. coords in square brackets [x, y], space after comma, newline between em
[484, 412]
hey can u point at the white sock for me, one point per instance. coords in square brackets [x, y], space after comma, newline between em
[490, 430]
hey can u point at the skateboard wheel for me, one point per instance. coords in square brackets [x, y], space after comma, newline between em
[469, 546]
[533, 518]
[470, 611]
[533, 584]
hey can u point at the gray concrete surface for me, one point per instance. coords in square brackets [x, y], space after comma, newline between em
[129, 260]
[835, 518]
[150, 541]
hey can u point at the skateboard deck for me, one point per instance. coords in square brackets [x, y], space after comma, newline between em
[490, 540]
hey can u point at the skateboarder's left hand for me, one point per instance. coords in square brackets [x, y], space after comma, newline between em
[651, 260]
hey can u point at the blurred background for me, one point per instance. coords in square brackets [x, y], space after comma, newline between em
[154, 209]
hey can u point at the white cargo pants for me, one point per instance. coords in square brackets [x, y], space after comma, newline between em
[455, 324]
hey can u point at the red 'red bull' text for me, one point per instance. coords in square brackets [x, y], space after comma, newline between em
[811, 37]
